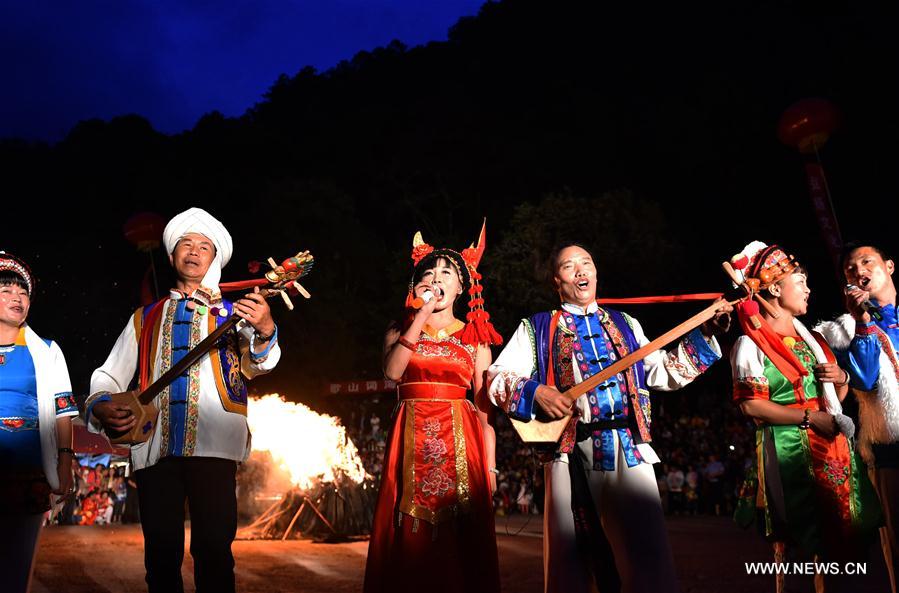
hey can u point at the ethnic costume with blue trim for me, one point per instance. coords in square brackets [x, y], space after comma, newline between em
[21, 450]
[584, 343]
[203, 412]
[20, 440]
[190, 459]
[869, 353]
[602, 496]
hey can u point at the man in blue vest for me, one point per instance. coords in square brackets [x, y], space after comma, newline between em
[602, 499]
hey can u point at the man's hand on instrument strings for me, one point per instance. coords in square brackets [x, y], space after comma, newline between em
[553, 402]
[720, 323]
[254, 308]
[114, 416]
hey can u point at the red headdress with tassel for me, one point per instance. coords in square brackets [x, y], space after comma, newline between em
[478, 329]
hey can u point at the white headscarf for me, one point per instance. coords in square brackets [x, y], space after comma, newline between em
[197, 220]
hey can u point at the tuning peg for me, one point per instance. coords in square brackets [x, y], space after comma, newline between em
[286, 299]
[301, 290]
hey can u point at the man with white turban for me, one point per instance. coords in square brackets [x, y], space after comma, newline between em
[201, 433]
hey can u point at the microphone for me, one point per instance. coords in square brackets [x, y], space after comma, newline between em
[426, 296]
[868, 306]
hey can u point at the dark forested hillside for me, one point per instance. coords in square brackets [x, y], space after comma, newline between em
[645, 129]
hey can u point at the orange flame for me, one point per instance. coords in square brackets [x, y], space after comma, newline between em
[307, 445]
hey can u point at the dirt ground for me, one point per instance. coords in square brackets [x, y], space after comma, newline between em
[709, 553]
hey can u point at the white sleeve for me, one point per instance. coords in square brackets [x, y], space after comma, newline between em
[253, 366]
[62, 381]
[747, 363]
[116, 373]
[60, 370]
[670, 370]
[516, 361]
[746, 359]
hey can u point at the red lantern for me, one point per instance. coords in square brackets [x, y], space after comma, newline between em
[807, 124]
[144, 230]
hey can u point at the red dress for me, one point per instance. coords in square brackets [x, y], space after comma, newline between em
[433, 527]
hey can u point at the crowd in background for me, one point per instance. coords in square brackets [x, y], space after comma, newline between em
[101, 497]
[704, 460]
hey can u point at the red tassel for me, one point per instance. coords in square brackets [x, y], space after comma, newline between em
[479, 332]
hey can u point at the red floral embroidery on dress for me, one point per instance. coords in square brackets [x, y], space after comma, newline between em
[433, 449]
[432, 426]
[436, 482]
[836, 471]
[445, 348]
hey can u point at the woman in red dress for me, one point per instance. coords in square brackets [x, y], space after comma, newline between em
[433, 527]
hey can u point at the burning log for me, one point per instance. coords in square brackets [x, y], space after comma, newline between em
[329, 511]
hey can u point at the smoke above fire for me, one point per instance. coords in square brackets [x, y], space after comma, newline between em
[308, 446]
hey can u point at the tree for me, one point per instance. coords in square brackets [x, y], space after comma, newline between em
[634, 250]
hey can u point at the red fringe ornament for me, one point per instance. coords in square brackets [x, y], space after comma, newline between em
[478, 330]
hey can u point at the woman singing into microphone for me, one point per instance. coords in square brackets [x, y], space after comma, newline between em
[433, 527]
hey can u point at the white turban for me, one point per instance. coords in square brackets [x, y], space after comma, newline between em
[197, 220]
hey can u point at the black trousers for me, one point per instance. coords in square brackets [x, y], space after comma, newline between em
[208, 485]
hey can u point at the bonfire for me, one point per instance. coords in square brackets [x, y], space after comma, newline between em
[304, 464]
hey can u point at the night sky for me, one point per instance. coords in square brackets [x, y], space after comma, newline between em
[173, 61]
[646, 131]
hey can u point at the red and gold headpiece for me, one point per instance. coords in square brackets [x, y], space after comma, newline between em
[478, 330]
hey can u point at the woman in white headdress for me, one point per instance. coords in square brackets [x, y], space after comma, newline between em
[816, 497]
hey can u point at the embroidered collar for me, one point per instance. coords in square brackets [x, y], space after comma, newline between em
[202, 296]
[576, 310]
[443, 333]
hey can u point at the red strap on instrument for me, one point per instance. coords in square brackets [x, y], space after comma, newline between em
[242, 284]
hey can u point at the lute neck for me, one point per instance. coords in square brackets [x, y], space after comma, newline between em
[188, 361]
